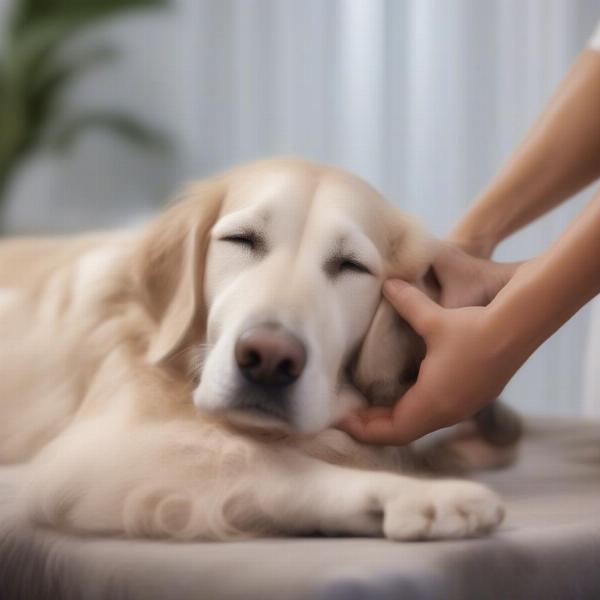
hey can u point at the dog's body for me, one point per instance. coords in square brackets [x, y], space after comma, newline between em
[137, 371]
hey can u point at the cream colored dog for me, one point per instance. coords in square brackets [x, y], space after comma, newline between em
[180, 380]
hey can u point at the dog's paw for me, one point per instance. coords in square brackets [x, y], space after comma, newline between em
[444, 510]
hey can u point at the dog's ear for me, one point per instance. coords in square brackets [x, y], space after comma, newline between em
[171, 267]
[389, 357]
[388, 360]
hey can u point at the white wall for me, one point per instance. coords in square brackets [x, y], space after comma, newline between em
[424, 98]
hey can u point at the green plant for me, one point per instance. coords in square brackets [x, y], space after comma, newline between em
[35, 72]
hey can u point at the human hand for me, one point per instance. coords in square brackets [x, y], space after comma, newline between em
[467, 280]
[467, 365]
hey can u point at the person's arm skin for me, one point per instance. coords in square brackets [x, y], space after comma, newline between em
[559, 156]
[473, 352]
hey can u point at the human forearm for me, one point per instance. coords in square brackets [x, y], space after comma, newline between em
[559, 156]
[549, 290]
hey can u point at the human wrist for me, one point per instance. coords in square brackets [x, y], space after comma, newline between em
[501, 210]
[502, 338]
[473, 238]
[480, 247]
[518, 322]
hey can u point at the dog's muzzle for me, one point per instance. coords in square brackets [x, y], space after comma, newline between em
[269, 356]
[270, 360]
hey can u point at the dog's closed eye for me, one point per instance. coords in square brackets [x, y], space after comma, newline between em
[338, 265]
[248, 239]
[350, 264]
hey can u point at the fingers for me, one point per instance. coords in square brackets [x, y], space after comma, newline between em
[354, 423]
[412, 417]
[375, 430]
[413, 306]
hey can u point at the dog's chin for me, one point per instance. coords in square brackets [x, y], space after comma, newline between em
[256, 420]
[261, 412]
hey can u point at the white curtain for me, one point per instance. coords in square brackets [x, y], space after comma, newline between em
[423, 98]
[591, 373]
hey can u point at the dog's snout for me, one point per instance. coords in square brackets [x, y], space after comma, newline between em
[270, 355]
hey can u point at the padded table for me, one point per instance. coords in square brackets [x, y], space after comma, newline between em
[547, 548]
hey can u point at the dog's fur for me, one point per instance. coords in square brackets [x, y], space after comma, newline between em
[118, 382]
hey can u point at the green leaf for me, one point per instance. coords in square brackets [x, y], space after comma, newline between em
[2, 81]
[34, 102]
[78, 13]
[57, 75]
[35, 69]
[122, 125]
[43, 27]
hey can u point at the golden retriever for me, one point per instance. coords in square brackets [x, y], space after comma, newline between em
[182, 380]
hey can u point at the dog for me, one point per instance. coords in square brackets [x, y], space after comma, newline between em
[182, 380]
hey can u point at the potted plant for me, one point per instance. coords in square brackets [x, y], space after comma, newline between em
[35, 72]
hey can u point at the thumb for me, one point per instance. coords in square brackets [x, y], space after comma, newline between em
[420, 312]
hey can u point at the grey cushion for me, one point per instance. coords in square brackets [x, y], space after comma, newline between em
[548, 547]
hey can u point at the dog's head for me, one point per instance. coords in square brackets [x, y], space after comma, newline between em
[276, 269]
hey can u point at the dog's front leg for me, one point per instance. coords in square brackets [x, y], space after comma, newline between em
[297, 494]
[182, 480]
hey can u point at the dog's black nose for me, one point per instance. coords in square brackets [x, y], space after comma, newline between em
[269, 355]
